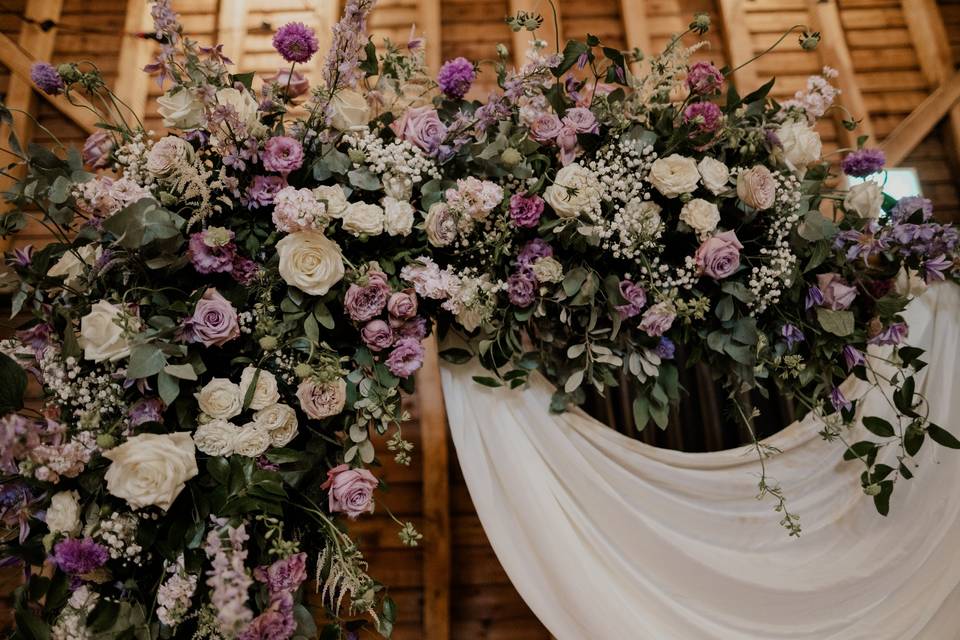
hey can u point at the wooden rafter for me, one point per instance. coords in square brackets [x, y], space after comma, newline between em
[921, 121]
[737, 41]
[132, 83]
[825, 18]
[634, 16]
[551, 32]
[436, 498]
[232, 30]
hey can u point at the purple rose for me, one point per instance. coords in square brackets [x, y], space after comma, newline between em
[530, 252]
[214, 320]
[261, 191]
[581, 120]
[719, 256]
[706, 116]
[402, 305]
[569, 144]
[658, 319]
[406, 357]
[837, 294]
[546, 127]
[351, 490]
[97, 149]
[282, 154]
[422, 127]
[211, 258]
[364, 303]
[522, 288]
[635, 296]
[704, 78]
[377, 335]
[525, 211]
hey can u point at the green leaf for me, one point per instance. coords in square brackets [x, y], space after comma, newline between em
[815, 227]
[60, 191]
[641, 411]
[573, 281]
[913, 440]
[860, 449]
[882, 500]
[942, 437]
[725, 309]
[182, 371]
[574, 381]
[141, 223]
[145, 360]
[879, 426]
[456, 356]
[168, 387]
[487, 381]
[363, 179]
[571, 53]
[903, 397]
[839, 323]
[30, 626]
[13, 384]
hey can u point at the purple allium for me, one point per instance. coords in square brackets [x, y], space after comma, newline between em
[814, 298]
[46, 77]
[406, 357]
[146, 410]
[934, 268]
[909, 205]
[525, 211]
[522, 288]
[706, 116]
[863, 162]
[208, 256]
[853, 357]
[295, 42]
[261, 191]
[839, 401]
[79, 557]
[455, 77]
[792, 335]
[666, 349]
[895, 334]
[635, 296]
[704, 78]
[282, 154]
[536, 248]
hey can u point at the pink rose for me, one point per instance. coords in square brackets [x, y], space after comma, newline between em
[402, 305]
[365, 303]
[719, 256]
[214, 320]
[321, 401]
[97, 148]
[377, 335]
[351, 490]
[421, 126]
[837, 294]
[546, 127]
[757, 188]
[582, 120]
[658, 319]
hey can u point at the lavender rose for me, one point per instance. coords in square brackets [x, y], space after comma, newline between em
[635, 296]
[351, 490]
[658, 319]
[321, 401]
[719, 256]
[421, 126]
[377, 335]
[837, 294]
[402, 305]
[546, 127]
[214, 320]
[581, 120]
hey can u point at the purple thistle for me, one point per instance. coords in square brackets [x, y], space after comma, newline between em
[934, 268]
[853, 357]
[895, 334]
[46, 77]
[295, 42]
[456, 77]
[814, 298]
[792, 335]
[838, 400]
[666, 349]
[863, 162]
[79, 557]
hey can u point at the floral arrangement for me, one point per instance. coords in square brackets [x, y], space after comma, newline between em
[228, 313]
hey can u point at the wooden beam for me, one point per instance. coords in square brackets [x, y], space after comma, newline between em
[825, 18]
[132, 84]
[232, 30]
[921, 121]
[551, 32]
[431, 27]
[634, 16]
[737, 40]
[436, 498]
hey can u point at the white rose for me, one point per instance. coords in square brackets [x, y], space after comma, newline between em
[102, 333]
[397, 187]
[757, 188]
[575, 190]
[216, 438]
[180, 109]
[280, 421]
[151, 469]
[362, 218]
[909, 283]
[674, 175]
[642, 217]
[265, 393]
[72, 267]
[63, 514]
[245, 106]
[865, 198]
[167, 155]
[310, 261]
[397, 216]
[801, 144]
[700, 215]
[349, 110]
[715, 175]
[547, 269]
[220, 398]
[334, 197]
[252, 440]
[440, 225]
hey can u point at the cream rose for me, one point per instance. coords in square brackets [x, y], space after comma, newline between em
[397, 216]
[151, 469]
[321, 401]
[73, 267]
[280, 421]
[714, 174]
[440, 225]
[547, 269]
[220, 398]
[310, 261]
[334, 198]
[180, 109]
[216, 438]
[801, 144]
[252, 440]
[397, 187]
[265, 393]
[756, 187]
[245, 106]
[674, 175]
[63, 514]
[349, 110]
[361, 218]
[168, 155]
[700, 215]
[575, 190]
[865, 198]
[102, 335]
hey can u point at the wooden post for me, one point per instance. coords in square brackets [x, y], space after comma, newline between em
[916, 126]
[132, 83]
[431, 26]
[436, 498]
[551, 32]
[825, 18]
[736, 38]
[633, 13]
[232, 30]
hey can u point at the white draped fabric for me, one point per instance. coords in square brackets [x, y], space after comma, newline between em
[609, 538]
